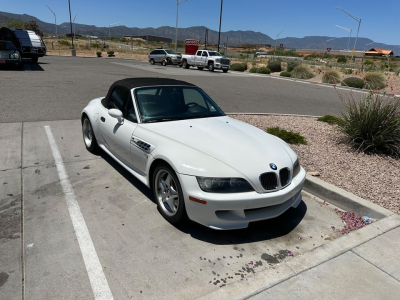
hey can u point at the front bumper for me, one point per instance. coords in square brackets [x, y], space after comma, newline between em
[221, 66]
[10, 61]
[235, 211]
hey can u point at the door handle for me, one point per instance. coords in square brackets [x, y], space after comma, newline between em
[102, 119]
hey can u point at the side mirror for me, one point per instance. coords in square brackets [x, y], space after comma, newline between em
[116, 113]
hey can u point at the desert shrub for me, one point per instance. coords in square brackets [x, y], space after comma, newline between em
[353, 82]
[372, 124]
[368, 62]
[263, 70]
[302, 72]
[288, 136]
[291, 65]
[346, 71]
[342, 59]
[253, 70]
[285, 74]
[330, 119]
[331, 76]
[110, 53]
[274, 66]
[98, 53]
[312, 56]
[374, 81]
[239, 67]
[64, 43]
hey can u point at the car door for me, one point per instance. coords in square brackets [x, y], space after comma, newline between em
[197, 58]
[117, 136]
[204, 58]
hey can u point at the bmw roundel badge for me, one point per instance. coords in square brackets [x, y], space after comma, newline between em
[273, 166]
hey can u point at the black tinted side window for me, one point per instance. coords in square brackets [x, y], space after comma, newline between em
[153, 52]
[118, 98]
[198, 53]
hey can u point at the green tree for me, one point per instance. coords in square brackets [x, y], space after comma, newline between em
[14, 23]
[32, 25]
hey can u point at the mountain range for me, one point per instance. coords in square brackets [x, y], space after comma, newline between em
[198, 32]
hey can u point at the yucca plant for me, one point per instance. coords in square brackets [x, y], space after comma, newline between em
[372, 124]
[302, 72]
[331, 76]
[374, 81]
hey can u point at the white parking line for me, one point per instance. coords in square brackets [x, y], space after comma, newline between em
[98, 281]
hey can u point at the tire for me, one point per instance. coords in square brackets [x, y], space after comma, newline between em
[19, 66]
[152, 62]
[88, 135]
[169, 61]
[200, 68]
[171, 208]
[35, 59]
[211, 67]
[185, 64]
[225, 71]
[163, 63]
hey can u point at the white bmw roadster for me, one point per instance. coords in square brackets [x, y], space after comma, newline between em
[199, 163]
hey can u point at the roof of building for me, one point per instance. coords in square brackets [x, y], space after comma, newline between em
[379, 51]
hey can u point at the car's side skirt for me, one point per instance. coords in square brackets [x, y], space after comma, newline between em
[142, 178]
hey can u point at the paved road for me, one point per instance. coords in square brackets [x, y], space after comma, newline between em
[59, 87]
[142, 256]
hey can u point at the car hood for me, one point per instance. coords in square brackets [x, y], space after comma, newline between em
[223, 147]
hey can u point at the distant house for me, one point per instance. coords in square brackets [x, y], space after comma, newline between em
[150, 38]
[378, 52]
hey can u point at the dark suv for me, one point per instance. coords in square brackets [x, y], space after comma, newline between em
[166, 56]
[28, 43]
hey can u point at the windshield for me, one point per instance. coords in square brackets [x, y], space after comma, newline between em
[214, 53]
[171, 103]
[6, 46]
[170, 52]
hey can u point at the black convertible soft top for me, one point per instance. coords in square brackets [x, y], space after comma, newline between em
[131, 83]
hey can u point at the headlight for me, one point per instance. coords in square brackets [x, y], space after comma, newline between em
[217, 60]
[224, 185]
[14, 55]
[296, 168]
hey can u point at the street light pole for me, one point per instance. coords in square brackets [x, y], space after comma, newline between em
[55, 20]
[348, 30]
[276, 41]
[176, 26]
[362, 64]
[358, 30]
[220, 20]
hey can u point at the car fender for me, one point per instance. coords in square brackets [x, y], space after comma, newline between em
[92, 110]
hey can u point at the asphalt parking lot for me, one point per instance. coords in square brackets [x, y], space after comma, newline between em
[59, 87]
[141, 255]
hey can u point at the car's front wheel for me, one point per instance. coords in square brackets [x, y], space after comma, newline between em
[168, 194]
[211, 67]
[88, 135]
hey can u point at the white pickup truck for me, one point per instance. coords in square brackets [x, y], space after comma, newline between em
[206, 59]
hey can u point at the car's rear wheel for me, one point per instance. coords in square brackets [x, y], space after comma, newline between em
[185, 64]
[164, 63]
[152, 62]
[168, 194]
[200, 68]
[88, 135]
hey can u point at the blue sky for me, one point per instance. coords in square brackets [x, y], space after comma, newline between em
[380, 20]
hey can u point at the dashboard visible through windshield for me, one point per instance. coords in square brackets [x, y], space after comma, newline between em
[171, 103]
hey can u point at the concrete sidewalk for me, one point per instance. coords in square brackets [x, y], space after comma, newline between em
[361, 265]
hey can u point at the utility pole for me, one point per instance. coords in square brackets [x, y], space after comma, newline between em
[220, 21]
[73, 53]
[176, 26]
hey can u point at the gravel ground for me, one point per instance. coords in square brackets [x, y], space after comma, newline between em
[372, 177]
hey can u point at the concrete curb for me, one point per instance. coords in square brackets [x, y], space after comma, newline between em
[289, 268]
[344, 199]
